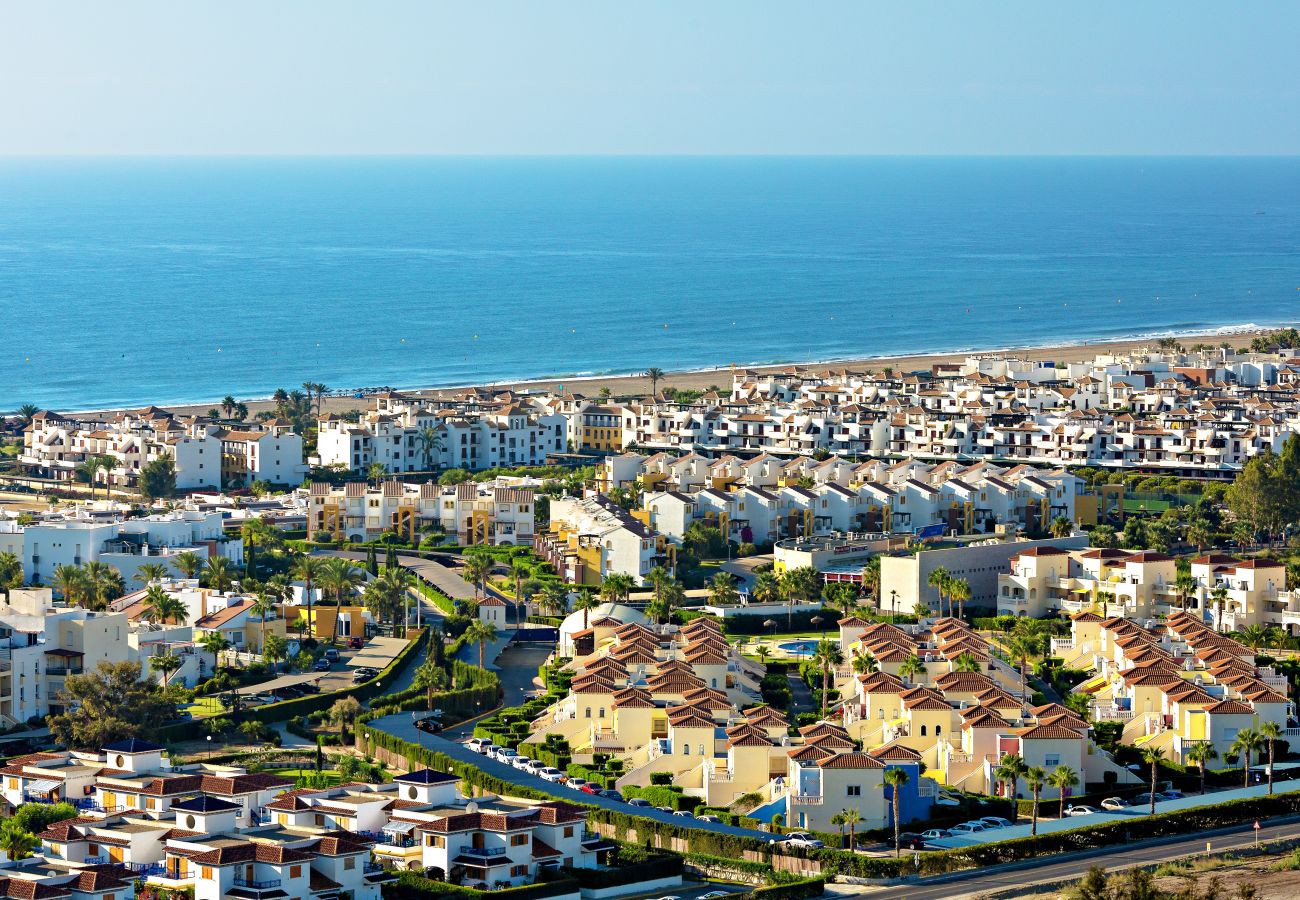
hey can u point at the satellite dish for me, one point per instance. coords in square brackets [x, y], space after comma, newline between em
[471, 807]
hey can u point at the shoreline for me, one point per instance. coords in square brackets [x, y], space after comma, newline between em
[720, 375]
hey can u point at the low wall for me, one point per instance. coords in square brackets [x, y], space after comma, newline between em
[626, 890]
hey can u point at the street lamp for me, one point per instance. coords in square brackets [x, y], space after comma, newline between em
[209, 747]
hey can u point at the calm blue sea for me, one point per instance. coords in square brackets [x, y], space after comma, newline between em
[145, 280]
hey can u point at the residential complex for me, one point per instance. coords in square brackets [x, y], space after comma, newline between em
[469, 513]
[592, 537]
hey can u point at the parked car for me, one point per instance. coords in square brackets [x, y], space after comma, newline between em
[490, 750]
[332, 655]
[590, 788]
[935, 834]
[360, 675]
[550, 773]
[995, 822]
[1114, 804]
[321, 665]
[507, 756]
[943, 798]
[612, 795]
[534, 767]
[639, 802]
[309, 687]
[712, 895]
[1171, 795]
[1145, 799]
[520, 762]
[804, 841]
[709, 818]
[429, 725]
[575, 783]
[684, 814]
[356, 643]
[1080, 810]
[969, 828]
[478, 745]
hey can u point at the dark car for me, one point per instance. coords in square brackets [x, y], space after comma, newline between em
[429, 724]
[322, 665]
[309, 687]
[612, 795]
[356, 643]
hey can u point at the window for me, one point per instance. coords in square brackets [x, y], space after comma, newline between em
[922, 731]
[295, 871]
[568, 831]
[518, 840]
[518, 871]
[587, 713]
[350, 862]
[853, 790]
[686, 749]
[1052, 760]
[205, 871]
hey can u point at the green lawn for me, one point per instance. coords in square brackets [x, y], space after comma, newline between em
[205, 707]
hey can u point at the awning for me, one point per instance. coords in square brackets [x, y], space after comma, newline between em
[43, 786]
[60, 651]
[399, 827]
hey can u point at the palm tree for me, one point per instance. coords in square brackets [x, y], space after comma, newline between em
[1009, 771]
[16, 841]
[161, 606]
[481, 633]
[1270, 731]
[1035, 778]
[851, 818]
[959, 590]
[151, 572]
[1185, 585]
[554, 598]
[1219, 597]
[519, 570]
[308, 569]
[343, 713]
[1201, 753]
[189, 563]
[339, 577]
[966, 662]
[71, 582]
[586, 602]
[911, 666]
[274, 650]
[1063, 778]
[767, 587]
[828, 657]
[871, 579]
[228, 405]
[11, 572]
[865, 663]
[263, 606]
[1253, 636]
[27, 412]
[1061, 527]
[214, 642]
[841, 593]
[376, 471]
[654, 374]
[218, 573]
[105, 583]
[803, 584]
[1151, 756]
[1026, 641]
[938, 579]
[896, 777]
[476, 570]
[722, 590]
[763, 653]
[86, 472]
[166, 663]
[616, 587]
[1247, 742]
[430, 443]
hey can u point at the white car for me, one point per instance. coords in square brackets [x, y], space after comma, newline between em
[1080, 810]
[1113, 804]
[935, 834]
[995, 822]
[534, 767]
[520, 762]
[946, 799]
[803, 840]
[711, 819]
[478, 745]
[712, 895]
[550, 773]
[490, 750]
[684, 814]
[575, 783]
[969, 828]
[507, 756]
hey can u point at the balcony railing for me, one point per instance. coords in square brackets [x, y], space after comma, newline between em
[146, 869]
[806, 799]
[264, 885]
[96, 860]
[483, 851]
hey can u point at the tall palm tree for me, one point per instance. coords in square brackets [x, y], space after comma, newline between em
[1151, 756]
[214, 642]
[217, 571]
[105, 583]
[1201, 753]
[1270, 731]
[228, 404]
[1219, 597]
[308, 570]
[166, 664]
[11, 572]
[1063, 778]
[767, 587]
[959, 591]
[1009, 771]
[1185, 585]
[481, 633]
[865, 663]
[27, 412]
[966, 662]
[1253, 636]
[912, 666]
[722, 589]
[938, 579]
[871, 580]
[617, 587]
[263, 606]
[189, 563]
[148, 573]
[376, 471]
[519, 570]
[896, 777]
[430, 443]
[657, 577]
[654, 374]
[828, 657]
[160, 606]
[338, 577]
[1035, 778]
[1061, 527]
[851, 818]
[476, 570]
[586, 601]
[71, 581]
[554, 598]
[1247, 742]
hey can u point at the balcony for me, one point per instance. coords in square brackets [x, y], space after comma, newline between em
[268, 884]
[483, 851]
[806, 799]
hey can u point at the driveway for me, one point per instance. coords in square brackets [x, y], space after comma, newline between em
[401, 726]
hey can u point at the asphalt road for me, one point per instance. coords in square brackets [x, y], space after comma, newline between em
[401, 726]
[1051, 869]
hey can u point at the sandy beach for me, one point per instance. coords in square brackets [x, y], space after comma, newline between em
[625, 386]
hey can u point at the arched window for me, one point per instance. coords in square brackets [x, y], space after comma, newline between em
[922, 731]
[701, 749]
[938, 730]
[588, 712]
[602, 712]
[686, 749]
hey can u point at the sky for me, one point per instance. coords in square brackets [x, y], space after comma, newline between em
[648, 77]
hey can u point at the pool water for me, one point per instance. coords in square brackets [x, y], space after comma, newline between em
[799, 648]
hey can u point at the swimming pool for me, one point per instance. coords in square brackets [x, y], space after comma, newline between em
[799, 648]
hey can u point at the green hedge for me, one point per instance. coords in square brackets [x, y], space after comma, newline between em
[794, 890]
[411, 886]
[662, 865]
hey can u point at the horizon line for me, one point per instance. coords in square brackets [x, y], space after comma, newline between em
[638, 155]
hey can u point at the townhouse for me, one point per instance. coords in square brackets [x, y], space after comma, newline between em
[591, 537]
[469, 513]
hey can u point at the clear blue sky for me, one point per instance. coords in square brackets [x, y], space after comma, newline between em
[621, 76]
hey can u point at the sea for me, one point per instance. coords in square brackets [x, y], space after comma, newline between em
[170, 280]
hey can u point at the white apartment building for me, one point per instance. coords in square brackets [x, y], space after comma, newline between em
[592, 537]
[471, 513]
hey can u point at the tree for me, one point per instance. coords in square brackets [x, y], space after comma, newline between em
[616, 587]
[274, 649]
[214, 642]
[110, 704]
[1253, 636]
[338, 577]
[586, 601]
[1009, 771]
[865, 663]
[17, 842]
[218, 574]
[1261, 494]
[966, 662]
[938, 579]
[1063, 778]
[1061, 527]
[1185, 585]
[11, 572]
[841, 593]
[722, 590]
[767, 587]
[165, 664]
[308, 569]
[158, 479]
[896, 777]
[36, 817]
[1247, 742]
[104, 583]
[476, 570]
[1200, 754]
[372, 561]
[481, 633]
[430, 442]
[27, 412]
[851, 818]
[1151, 757]
[1219, 597]
[654, 374]
[151, 572]
[263, 607]
[959, 591]
[871, 580]
[800, 585]
[431, 678]
[910, 667]
[1093, 886]
[376, 471]
[1200, 533]
[228, 405]
[554, 598]
[343, 713]
[1270, 731]
[1026, 642]
[828, 657]
[189, 563]
[160, 606]
[1035, 778]
[1103, 536]
[71, 582]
